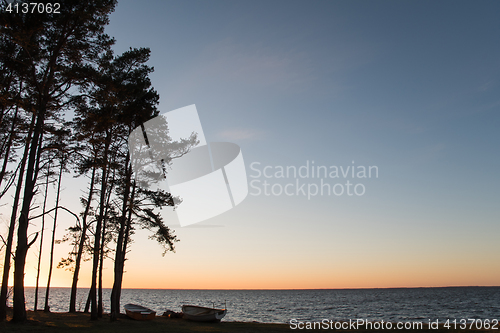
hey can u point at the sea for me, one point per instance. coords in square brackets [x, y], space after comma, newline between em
[281, 306]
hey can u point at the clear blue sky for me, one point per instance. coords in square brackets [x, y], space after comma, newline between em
[412, 87]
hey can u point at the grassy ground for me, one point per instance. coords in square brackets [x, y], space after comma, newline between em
[79, 322]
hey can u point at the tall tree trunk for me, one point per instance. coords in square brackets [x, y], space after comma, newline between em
[103, 243]
[123, 253]
[87, 304]
[47, 290]
[101, 262]
[35, 308]
[13, 218]
[81, 245]
[19, 313]
[126, 239]
[116, 291]
[97, 237]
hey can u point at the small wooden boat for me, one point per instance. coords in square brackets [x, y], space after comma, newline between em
[138, 312]
[199, 313]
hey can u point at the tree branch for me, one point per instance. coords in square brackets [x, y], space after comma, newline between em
[33, 240]
[57, 207]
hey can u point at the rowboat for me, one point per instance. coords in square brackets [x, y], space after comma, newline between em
[199, 313]
[138, 312]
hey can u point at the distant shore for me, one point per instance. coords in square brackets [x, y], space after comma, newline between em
[80, 322]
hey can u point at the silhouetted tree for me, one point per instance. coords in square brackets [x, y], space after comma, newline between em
[55, 49]
[138, 105]
[80, 236]
[48, 64]
[12, 225]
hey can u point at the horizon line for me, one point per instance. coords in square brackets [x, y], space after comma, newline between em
[274, 289]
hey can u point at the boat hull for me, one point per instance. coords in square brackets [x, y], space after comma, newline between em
[138, 312]
[199, 313]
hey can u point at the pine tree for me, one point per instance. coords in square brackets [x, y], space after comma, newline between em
[55, 50]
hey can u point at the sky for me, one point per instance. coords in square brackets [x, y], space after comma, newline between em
[411, 88]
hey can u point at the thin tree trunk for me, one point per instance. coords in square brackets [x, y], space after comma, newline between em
[97, 237]
[8, 146]
[13, 218]
[103, 238]
[35, 308]
[9, 78]
[19, 312]
[72, 301]
[101, 261]
[87, 304]
[126, 238]
[47, 290]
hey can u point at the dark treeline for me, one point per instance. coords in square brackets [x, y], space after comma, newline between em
[53, 66]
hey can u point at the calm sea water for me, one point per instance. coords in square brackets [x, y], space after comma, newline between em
[280, 306]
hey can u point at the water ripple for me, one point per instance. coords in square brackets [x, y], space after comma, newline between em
[279, 306]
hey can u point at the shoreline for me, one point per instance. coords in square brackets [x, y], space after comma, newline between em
[69, 322]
